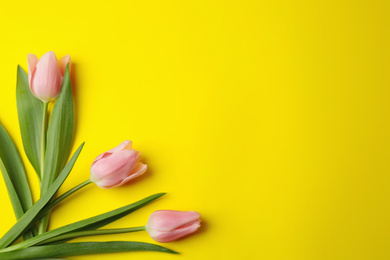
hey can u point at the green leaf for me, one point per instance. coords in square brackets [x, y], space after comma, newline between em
[30, 120]
[31, 216]
[82, 248]
[14, 175]
[58, 139]
[85, 233]
[59, 134]
[93, 222]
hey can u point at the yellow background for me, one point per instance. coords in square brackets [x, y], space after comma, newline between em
[270, 118]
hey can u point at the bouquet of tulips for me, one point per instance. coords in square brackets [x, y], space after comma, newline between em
[47, 144]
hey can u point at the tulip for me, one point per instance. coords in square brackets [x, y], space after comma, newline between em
[117, 166]
[168, 225]
[45, 75]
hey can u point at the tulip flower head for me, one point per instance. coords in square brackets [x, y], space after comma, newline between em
[117, 166]
[45, 75]
[168, 225]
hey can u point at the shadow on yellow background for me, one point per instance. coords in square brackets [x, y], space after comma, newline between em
[270, 118]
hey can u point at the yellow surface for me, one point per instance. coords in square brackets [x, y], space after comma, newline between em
[270, 118]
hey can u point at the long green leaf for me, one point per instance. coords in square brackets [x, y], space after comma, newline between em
[31, 216]
[77, 234]
[102, 219]
[59, 134]
[30, 120]
[59, 139]
[14, 175]
[82, 248]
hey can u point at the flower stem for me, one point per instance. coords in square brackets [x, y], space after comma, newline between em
[43, 225]
[68, 193]
[43, 214]
[43, 137]
[85, 233]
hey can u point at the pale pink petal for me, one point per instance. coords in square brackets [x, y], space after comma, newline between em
[168, 236]
[168, 220]
[113, 150]
[125, 144]
[117, 166]
[47, 81]
[101, 156]
[32, 61]
[63, 62]
[138, 170]
[110, 171]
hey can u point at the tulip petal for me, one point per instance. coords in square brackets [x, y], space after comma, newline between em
[32, 61]
[47, 80]
[63, 62]
[101, 156]
[110, 171]
[138, 170]
[168, 236]
[120, 147]
[168, 220]
[124, 145]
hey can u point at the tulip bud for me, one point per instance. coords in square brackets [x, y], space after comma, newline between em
[45, 75]
[168, 225]
[117, 166]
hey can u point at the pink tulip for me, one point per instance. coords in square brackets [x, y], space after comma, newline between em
[45, 75]
[117, 166]
[168, 225]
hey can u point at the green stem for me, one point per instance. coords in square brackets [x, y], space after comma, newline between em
[43, 136]
[43, 214]
[73, 235]
[68, 193]
[42, 227]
